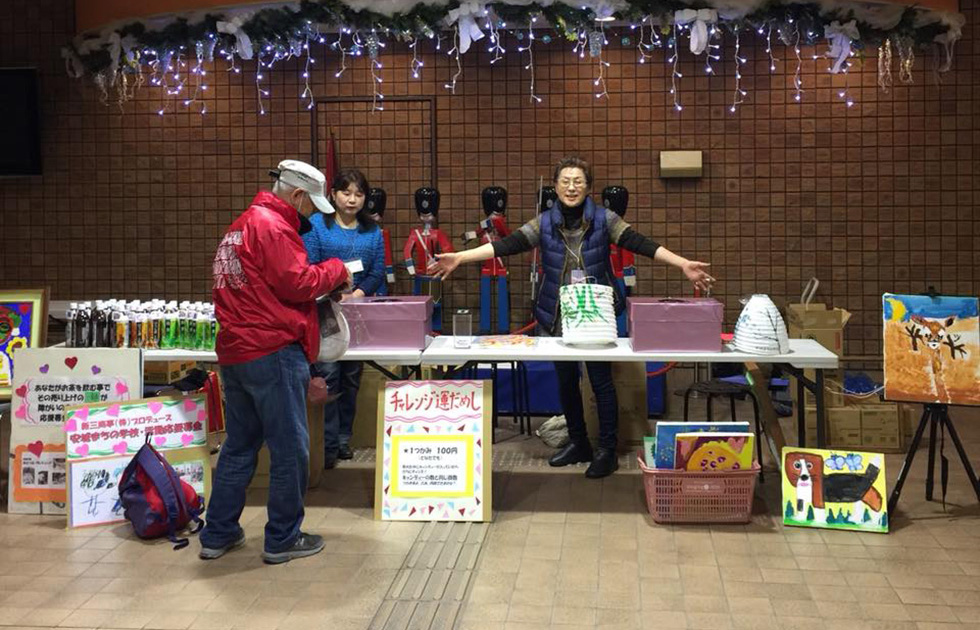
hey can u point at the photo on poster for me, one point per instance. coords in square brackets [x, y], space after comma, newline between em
[192, 465]
[38, 472]
[932, 349]
[834, 489]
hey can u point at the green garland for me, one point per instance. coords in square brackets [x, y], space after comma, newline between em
[278, 28]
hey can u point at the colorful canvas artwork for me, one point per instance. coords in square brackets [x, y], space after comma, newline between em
[834, 489]
[93, 491]
[23, 324]
[667, 433]
[932, 349]
[713, 451]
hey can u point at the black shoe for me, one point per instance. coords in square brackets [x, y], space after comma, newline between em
[603, 464]
[329, 462]
[572, 453]
[345, 452]
[305, 545]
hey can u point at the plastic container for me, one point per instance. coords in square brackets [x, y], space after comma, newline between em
[680, 496]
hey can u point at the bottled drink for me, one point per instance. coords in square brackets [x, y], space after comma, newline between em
[70, 316]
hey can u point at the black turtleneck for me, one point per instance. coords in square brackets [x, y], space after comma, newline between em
[527, 236]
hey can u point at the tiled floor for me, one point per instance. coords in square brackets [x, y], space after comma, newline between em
[562, 552]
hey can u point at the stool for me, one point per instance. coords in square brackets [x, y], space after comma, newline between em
[719, 387]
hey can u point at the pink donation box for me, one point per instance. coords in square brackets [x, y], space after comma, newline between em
[389, 322]
[675, 324]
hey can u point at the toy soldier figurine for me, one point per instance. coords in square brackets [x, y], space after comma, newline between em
[493, 228]
[421, 248]
[616, 198]
[374, 205]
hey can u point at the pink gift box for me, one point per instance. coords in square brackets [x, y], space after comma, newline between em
[389, 322]
[675, 324]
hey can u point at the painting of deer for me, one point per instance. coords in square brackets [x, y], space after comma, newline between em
[931, 349]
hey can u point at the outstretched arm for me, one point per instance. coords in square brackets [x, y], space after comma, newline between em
[447, 263]
[695, 271]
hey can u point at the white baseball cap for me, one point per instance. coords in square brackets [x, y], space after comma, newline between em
[306, 177]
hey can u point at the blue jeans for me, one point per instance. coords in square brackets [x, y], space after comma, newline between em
[265, 400]
[343, 377]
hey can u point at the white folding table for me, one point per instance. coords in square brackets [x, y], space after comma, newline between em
[803, 354]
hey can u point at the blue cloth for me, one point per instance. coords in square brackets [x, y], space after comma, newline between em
[486, 305]
[421, 286]
[265, 400]
[343, 377]
[365, 244]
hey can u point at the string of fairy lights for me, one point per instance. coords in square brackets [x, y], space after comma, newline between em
[182, 75]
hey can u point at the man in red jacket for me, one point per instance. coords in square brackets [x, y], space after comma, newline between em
[264, 299]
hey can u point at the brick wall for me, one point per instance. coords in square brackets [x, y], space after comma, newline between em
[880, 197]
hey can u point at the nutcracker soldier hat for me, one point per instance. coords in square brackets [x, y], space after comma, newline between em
[616, 198]
[427, 201]
[377, 201]
[548, 197]
[494, 200]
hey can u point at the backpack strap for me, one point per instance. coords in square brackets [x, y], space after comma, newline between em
[149, 461]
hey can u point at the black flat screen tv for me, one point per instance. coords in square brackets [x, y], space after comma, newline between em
[20, 134]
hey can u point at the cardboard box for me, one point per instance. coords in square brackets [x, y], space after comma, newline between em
[314, 423]
[844, 427]
[881, 427]
[631, 393]
[675, 324]
[387, 322]
[365, 429]
[166, 372]
[831, 397]
[815, 316]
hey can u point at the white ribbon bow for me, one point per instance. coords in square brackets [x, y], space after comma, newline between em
[699, 20]
[840, 36]
[465, 17]
[73, 65]
[243, 41]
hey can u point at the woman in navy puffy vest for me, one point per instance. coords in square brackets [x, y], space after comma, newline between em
[574, 237]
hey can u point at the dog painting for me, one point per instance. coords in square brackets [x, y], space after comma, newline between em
[932, 349]
[834, 489]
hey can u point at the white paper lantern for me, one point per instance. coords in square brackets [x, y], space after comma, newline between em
[760, 328]
[588, 314]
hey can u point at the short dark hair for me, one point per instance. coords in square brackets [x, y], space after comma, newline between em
[574, 161]
[342, 181]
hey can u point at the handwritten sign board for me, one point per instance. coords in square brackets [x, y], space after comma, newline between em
[105, 429]
[434, 453]
[45, 381]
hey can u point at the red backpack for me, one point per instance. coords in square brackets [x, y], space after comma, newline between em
[156, 500]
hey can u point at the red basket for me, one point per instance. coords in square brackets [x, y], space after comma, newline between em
[681, 496]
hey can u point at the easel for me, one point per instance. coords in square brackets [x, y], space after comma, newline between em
[937, 417]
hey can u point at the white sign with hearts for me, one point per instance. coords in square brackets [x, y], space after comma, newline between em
[113, 428]
[45, 381]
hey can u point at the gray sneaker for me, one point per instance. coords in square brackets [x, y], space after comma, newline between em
[208, 553]
[305, 545]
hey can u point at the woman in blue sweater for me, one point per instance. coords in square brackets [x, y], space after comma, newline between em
[348, 234]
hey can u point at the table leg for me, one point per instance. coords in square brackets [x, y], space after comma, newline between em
[821, 417]
[800, 412]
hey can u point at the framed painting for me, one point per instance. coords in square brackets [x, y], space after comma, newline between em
[932, 349]
[23, 324]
